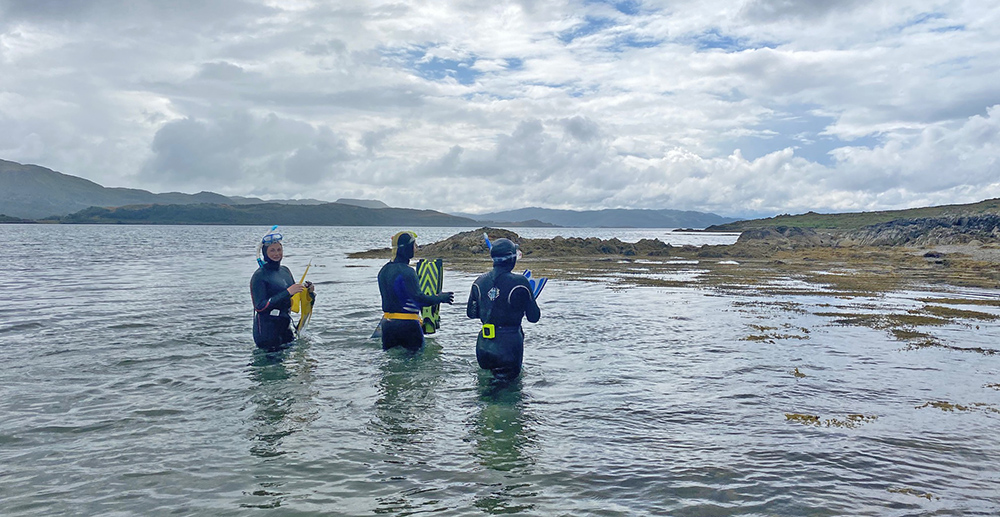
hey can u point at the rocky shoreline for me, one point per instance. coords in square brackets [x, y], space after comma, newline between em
[963, 251]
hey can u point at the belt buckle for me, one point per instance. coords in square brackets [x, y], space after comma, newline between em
[489, 331]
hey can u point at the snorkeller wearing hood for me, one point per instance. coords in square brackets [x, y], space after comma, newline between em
[402, 297]
[500, 299]
[271, 288]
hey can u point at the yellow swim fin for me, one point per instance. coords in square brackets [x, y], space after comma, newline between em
[302, 303]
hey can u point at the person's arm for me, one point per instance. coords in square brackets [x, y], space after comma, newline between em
[412, 287]
[532, 312]
[472, 308]
[521, 298]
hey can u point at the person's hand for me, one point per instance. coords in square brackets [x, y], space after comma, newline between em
[310, 286]
[295, 289]
[449, 297]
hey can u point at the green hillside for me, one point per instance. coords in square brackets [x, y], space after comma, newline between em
[855, 220]
[328, 214]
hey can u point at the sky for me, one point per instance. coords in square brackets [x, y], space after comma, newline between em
[741, 108]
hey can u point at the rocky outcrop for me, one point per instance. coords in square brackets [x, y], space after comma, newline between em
[785, 236]
[928, 231]
[471, 244]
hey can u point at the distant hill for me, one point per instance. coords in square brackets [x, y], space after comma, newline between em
[367, 203]
[9, 219]
[856, 220]
[328, 214]
[611, 218]
[33, 192]
[240, 200]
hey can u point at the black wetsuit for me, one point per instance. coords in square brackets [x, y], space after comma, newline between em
[502, 298]
[397, 282]
[271, 302]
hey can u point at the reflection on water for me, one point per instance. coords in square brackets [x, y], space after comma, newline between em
[281, 396]
[408, 392]
[505, 441]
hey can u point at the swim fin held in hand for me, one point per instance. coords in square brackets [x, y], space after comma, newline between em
[537, 284]
[302, 302]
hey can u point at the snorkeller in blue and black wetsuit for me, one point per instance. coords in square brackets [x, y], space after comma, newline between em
[271, 288]
[402, 298]
[500, 299]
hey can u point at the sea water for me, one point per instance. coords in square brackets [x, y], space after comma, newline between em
[130, 386]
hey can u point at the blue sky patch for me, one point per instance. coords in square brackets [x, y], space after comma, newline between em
[949, 28]
[798, 127]
[434, 68]
[628, 7]
[590, 25]
[923, 18]
[629, 41]
[714, 39]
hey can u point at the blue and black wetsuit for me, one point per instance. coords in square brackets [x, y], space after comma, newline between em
[271, 302]
[502, 298]
[401, 296]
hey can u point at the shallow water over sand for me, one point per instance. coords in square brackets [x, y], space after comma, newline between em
[131, 386]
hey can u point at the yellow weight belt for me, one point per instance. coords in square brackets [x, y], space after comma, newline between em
[401, 316]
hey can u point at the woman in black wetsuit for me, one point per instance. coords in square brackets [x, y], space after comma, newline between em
[271, 288]
[402, 298]
[500, 299]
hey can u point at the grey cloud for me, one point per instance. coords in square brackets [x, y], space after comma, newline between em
[374, 140]
[581, 128]
[220, 71]
[776, 10]
[325, 48]
[240, 146]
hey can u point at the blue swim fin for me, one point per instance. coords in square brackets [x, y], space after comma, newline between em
[537, 284]
[377, 334]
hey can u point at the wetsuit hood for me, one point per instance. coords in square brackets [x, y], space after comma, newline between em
[404, 246]
[504, 253]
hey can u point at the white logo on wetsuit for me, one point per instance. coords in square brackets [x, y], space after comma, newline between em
[493, 294]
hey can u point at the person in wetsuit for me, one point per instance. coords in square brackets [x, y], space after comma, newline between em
[500, 299]
[271, 288]
[402, 298]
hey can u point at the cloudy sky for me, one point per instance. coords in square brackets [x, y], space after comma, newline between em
[741, 108]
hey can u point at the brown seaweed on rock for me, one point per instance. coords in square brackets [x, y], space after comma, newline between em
[471, 245]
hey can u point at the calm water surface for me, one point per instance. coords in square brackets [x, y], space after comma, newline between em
[131, 387]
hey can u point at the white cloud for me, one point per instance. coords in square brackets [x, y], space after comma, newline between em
[758, 107]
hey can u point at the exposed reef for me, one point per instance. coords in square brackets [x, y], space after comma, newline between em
[827, 260]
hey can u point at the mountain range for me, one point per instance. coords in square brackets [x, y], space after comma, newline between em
[610, 218]
[32, 192]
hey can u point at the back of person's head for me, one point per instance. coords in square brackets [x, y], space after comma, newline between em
[402, 243]
[504, 253]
